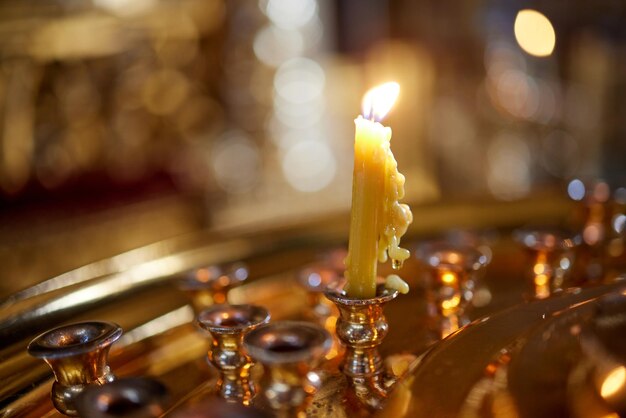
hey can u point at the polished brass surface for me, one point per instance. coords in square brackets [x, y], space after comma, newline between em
[218, 408]
[522, 362]
[139, 290]
[290, 351]
[228, 324]
[316, 278]
[603, 343]
[361, 327]
[138, 397]
[78, 356]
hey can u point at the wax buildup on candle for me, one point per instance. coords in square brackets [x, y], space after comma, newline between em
[378, 220]
[394, 282]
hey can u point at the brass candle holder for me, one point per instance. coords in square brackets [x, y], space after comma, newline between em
[77, 354]
[134, 397]
[361, 327]
[289, 351]
[552, 257]
[315, 279]
[210, 285]
[451, 282]
[228, 324]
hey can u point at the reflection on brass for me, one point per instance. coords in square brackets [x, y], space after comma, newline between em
[217, 408]
[162, 343]
[521, 362]
[210, 285]
[451, 282]
[289, 351]
[604, 342]
[138, 397]
[77, 354]
[552, 253]
[228, 324]
[361, 327]
[315, 279]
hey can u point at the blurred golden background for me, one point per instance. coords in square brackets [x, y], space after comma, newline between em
[126, 122]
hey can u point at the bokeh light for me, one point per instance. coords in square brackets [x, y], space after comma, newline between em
[125, 8]
[236, 163]
[299, 115]
[619, 223]
[291, 14]
[613, 382]
[273, 45]
[576, 189]
[534, 33]
[509, 161]
[309, 166]
[164, 91]
[299, 80]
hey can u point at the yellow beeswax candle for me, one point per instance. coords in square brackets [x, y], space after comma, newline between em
[378, 220]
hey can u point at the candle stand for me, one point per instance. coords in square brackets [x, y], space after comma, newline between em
[451, 281]
[77, 354]
[361, 327]
[210, 285]
[315, 279]
[552, 258]
[290, 351]
[228, 324]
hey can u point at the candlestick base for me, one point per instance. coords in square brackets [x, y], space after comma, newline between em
[361, 327]
[228, 324]
[78, 355]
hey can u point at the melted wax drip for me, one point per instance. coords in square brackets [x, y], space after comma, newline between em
[396, 216]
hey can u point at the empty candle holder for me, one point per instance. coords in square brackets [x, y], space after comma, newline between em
[207, 286]
[451, 282]
[134, 397]
[78, 356]
[289, 351]
[361, 328]
[316, 279]
[228, 324]
[552, 257]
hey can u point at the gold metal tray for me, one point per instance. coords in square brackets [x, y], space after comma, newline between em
[139, 291]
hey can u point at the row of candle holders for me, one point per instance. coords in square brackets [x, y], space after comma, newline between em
[290, 351]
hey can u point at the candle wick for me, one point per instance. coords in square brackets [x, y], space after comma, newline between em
[372, 115]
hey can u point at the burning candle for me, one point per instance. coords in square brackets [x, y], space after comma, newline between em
[378, 220]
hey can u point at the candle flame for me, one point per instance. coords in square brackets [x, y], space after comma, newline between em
[378, 101]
